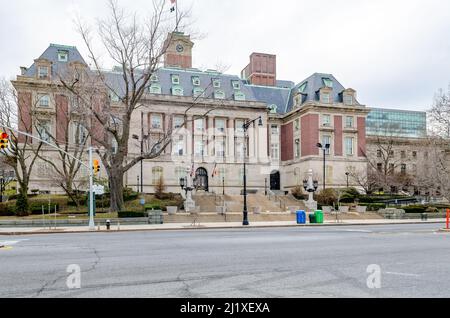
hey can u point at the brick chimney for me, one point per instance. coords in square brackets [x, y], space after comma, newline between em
[262, 69]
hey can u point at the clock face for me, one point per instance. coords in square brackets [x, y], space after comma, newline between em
[180, 48]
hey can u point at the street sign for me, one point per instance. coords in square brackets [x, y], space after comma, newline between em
[99, 189]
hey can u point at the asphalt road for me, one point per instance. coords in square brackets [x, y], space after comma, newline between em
[278, 262]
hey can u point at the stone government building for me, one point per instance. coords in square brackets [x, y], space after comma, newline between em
[296, 116]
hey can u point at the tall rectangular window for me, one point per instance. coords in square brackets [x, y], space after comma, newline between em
[326, 120]
[220, 125]
[326, 99]
[349, 146]
[44, 101]
[44, 130]
[349, 122]
[239, 127]
[275, 151]
[178, 147]
[156, 121]
[199, 125]
[220, 148]
[178, 121]
[275, 130]
[43, 72]
[199, 148]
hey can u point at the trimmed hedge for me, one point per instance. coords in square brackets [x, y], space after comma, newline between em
[123, 215]
[374, 206]
[7, 209]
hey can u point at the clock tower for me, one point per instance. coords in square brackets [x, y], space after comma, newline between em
[179, 50]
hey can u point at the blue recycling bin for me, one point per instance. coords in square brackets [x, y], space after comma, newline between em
[301, 217]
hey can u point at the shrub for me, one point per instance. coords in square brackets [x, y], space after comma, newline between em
[123, 215]
[160, 187]
[152, 207]
[349, 195]
[297, 192]
[7, 209]
[326, 197]
[22, 205]
[415, 209]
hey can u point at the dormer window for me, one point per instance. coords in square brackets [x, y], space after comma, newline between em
[63, 56]
[239, 96]
[177, 91]
[198, 92]
[43, 72]
[216, 83]
[326, 98]
[175, 79]
[155, 89]
[195, 80]
[303, 87]
[327, 82]
[219, 95]
[273, 109]
[348, 99]
[154, 78]
[114, 97]
[236, 85]
[298, 99]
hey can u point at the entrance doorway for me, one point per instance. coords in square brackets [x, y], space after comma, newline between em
[275, 181]
[201, 178]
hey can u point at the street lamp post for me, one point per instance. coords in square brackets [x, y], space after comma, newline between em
[223, 185]
[324, 148]
[246, 126]
[347, 174]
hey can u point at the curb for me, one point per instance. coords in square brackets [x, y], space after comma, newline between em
[218, 228]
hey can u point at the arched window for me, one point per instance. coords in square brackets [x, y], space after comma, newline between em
[177, 91]
[155, 89]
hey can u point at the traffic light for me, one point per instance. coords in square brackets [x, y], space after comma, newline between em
[4, 140]
[96, 166]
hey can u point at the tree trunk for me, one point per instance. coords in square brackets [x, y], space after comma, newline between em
[116, 188]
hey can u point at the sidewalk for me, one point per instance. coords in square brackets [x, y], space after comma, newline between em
[204, 226]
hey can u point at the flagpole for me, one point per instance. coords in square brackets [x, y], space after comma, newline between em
[176, 13]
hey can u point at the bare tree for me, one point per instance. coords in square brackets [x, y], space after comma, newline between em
[138, 48]
[366, 179]
[439, 114]
[22, 152]
[70, 136]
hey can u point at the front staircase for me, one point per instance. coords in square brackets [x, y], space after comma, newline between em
[208, 203]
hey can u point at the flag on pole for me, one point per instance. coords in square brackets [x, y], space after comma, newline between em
[215, 172]
[173, 3]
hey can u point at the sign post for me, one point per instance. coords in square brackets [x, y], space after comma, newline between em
[448, 219]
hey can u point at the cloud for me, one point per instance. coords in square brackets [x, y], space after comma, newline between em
[394, 53]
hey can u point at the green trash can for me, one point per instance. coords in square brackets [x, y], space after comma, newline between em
[319, 216]
[312, 218]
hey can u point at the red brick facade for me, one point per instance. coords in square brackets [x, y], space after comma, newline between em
[25, 122]
[310, 135]
[361, 136]
[338, 139]
[62, 119]
[287, 142]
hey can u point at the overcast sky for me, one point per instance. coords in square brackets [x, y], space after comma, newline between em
[394, 53]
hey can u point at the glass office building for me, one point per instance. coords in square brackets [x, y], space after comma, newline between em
[397, 123]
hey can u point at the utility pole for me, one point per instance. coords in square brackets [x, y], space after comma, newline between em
[91, 191]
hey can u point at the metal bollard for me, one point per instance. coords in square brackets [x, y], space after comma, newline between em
[108, 225]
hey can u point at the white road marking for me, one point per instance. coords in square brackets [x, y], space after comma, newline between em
[9, 243]
[358, 231]
[402, 274]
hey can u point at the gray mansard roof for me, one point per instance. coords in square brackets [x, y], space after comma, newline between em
[280, 95]
[51, 54]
